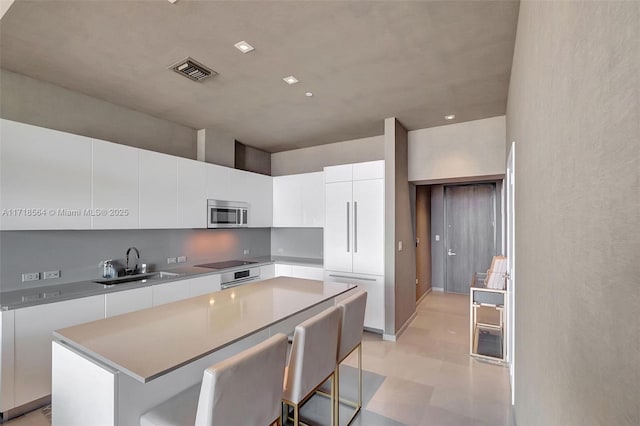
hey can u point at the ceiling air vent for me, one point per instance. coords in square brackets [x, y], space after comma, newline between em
[192, 69]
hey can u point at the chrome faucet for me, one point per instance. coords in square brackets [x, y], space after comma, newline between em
[129, 271]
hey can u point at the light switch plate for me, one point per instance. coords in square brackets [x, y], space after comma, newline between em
[399, 245]
[50, 275]
[171, 260]
[437, 237]
[31, 276]
[182, 259]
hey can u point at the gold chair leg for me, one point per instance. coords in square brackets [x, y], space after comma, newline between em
[336, 396]
[296, 415]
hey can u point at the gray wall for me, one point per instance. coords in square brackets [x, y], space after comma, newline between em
[36, 102]
[219, 147]
[313, 159]
[574, 114]
[297, 242]
[400, 266]
[78, 253]
[252, 159]
[461, 150]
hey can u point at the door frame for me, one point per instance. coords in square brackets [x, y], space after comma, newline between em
[510, 209]
[446, 226]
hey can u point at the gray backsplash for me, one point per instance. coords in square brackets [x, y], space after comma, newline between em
[78, 253]
[297, 242]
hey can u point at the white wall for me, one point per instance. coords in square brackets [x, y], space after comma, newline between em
[469, 149]
[314, 158]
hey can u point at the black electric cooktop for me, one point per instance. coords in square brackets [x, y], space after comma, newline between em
[226, 264]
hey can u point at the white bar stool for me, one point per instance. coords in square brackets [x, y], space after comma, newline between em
[312, 361]
[245, 389]
[351, 328]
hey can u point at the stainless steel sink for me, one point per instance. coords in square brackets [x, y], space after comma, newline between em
[136, 277]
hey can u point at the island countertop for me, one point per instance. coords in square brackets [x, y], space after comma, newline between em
[149, 343]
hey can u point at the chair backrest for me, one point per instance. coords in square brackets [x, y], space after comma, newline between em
[313, 354]
[352, 309]
[245, 389]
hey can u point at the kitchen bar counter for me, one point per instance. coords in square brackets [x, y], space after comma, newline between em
[55, 293]
[181, 332]
[111, 371]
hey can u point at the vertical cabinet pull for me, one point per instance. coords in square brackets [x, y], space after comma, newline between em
[348, 227]
[355, 226]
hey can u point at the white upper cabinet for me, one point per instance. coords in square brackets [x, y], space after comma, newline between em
[192, 194]
[158, 190]
[258, 190]
[298, 200]
[115, 186]
[342, 173]
[45, 178]
[368, 170]
[222, 184]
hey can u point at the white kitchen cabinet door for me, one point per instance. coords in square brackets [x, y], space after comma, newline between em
[170, 292]
[33, 328]
[267, 271]
[115, 186]
[298, 201]
[342, 173]
[368, 170]
[223, 183]
[204, 285]
[127, 301]
[368, 227]
[158, 190]
[283, 270]
[45, 178]
[338, 241]
[257, 190]
[192, 194]
[374, 286]
[307, 272]
[287, 206]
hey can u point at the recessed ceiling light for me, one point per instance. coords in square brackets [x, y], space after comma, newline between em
[290, 80]
[172, 1]
[243, 46]
[449, 117]
[308, 94]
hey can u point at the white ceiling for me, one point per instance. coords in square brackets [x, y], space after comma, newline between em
[364, 61]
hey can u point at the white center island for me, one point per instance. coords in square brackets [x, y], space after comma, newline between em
[109, 372]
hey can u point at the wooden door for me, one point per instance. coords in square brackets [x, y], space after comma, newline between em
[470, 240]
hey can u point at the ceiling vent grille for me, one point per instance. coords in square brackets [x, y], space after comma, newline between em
[192, 69]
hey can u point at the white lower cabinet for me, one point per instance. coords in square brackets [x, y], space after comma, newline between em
[267, 271]
[299, 271]
[127, 301]
[170, 292]
[204, 285]
[32, 345]
[374, 286]
[283, 270]
[7, 327]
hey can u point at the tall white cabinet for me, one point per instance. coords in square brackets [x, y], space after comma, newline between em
[354, 231]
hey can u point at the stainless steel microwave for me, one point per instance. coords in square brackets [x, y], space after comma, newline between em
[227, 214]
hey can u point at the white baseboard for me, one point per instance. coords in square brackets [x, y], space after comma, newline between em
[440, 289]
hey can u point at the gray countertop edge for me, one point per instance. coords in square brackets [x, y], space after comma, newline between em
[88, 288]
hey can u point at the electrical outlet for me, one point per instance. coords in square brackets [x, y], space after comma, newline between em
[182, 259]
[399, 245]
[171, 260]
[246, 252]
[416, 281]
[50, 275]
[31, 276]
[437, 237]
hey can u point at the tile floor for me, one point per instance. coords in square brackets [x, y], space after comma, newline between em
[429, 378]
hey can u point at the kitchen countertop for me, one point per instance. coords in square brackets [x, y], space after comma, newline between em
[56, 293]
[194, 327]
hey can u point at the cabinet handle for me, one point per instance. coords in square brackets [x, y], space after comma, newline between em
[355, 226]
[352, 278]
[348, 227]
